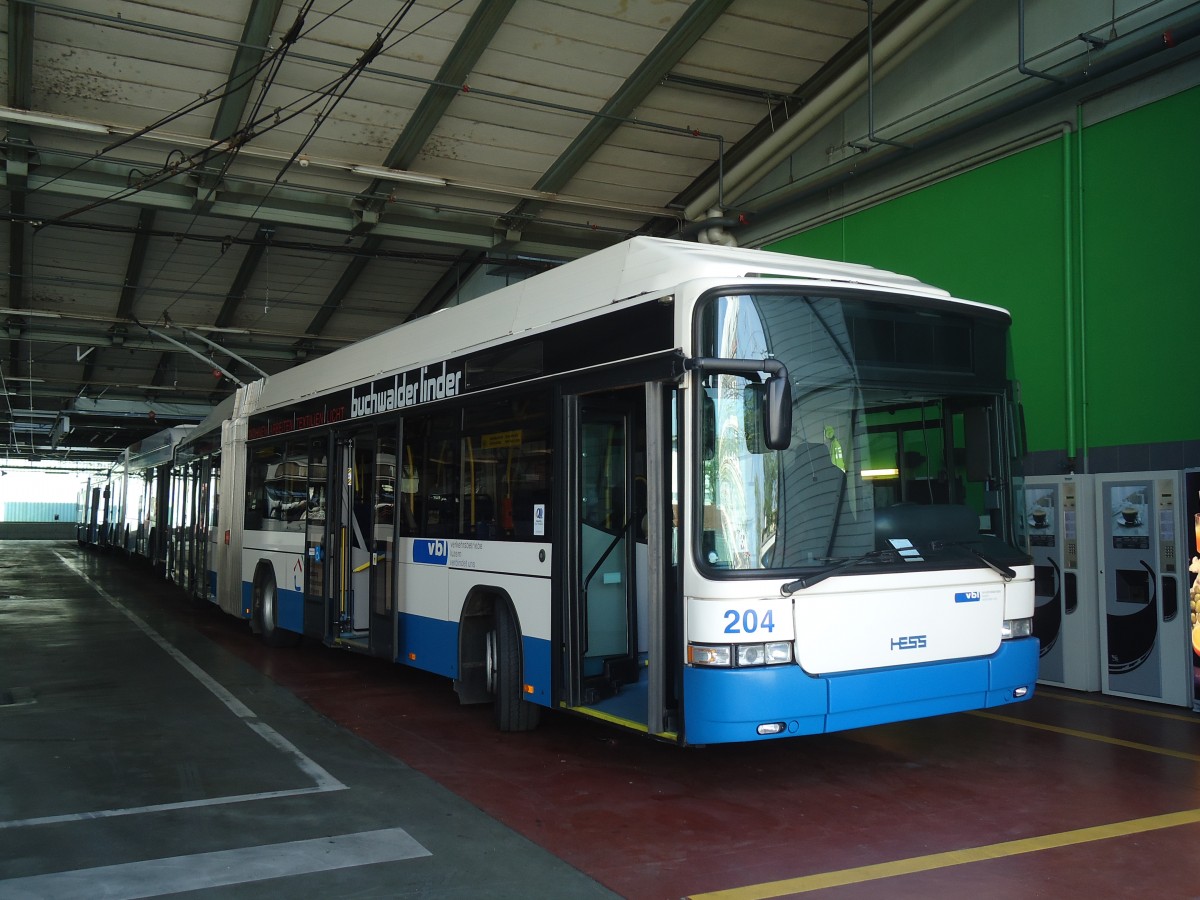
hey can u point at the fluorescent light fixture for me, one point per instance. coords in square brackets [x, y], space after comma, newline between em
[398, 175]
[8, 114]
[880, 473]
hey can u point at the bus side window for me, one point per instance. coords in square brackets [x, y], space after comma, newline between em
[259, 506]
[506, 470]
[436, 446]
[291, 486]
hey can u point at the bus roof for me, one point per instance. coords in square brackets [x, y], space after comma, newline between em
[636, 267]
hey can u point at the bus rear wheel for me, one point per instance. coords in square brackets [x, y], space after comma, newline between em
[512, 711]
[266, 613]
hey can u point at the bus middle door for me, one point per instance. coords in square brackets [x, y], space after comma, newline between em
[351, 528]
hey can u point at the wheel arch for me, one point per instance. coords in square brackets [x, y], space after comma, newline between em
[474, 623]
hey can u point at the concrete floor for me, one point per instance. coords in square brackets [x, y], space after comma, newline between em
[152, 745]
[138, 758]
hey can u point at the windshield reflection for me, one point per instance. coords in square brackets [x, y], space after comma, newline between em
[912, 464]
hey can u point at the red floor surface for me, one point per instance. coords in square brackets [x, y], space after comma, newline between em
[656, 821]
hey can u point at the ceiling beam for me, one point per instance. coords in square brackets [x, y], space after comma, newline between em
[161, 369]
[256, 34]
[699, 17]
[475, 39]
[20, 89]
[20, 54]
[350, 274]
[436, 297]
[137, 259]
[683, 35]
[237, 290]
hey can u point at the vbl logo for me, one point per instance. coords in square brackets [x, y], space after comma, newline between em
[910, 642]
[433, 553]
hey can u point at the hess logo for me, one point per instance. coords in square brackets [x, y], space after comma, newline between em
[910, 642]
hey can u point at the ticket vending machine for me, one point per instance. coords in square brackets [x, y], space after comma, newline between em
[1144, 630]
[1060, 536]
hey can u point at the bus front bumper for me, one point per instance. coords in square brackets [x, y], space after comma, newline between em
[723, 705]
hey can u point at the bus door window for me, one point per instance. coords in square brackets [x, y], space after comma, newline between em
[609, 528]
[383, 571]
[316, 494]
[356, 527]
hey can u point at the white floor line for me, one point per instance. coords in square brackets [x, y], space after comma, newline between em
[322, 779]
[160, 807]
[156, 877]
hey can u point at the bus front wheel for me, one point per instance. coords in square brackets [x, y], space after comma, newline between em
[512, 711]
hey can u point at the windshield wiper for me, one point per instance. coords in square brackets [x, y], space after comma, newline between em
[998, 567]
[821, 574]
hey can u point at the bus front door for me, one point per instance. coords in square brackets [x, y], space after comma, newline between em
[607, 522]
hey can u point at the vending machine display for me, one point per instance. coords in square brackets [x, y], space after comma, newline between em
[1060, 536]
[1145, 637]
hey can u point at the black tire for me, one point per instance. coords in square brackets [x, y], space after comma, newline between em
[512, 711]
[266, 613]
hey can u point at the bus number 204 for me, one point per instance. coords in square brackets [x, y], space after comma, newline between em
[748, 621]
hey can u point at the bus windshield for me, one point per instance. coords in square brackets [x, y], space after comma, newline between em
[901, 452]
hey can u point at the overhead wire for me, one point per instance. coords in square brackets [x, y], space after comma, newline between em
[234, 83]
[332, 93]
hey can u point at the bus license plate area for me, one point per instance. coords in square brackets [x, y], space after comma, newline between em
[849, 631]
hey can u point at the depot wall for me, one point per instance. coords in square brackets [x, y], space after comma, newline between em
[1092, 241]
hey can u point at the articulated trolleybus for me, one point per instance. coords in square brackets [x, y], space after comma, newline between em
[705, 493]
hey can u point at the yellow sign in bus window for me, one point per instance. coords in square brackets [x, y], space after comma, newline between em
[498, 439]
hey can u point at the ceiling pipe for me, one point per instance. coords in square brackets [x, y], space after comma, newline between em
[896, 46]
[1137, 46]
[1021, 66]
[713, 229]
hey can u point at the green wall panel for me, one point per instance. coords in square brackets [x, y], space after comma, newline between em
[1000, 234]
[1141, 252]
[994, 235]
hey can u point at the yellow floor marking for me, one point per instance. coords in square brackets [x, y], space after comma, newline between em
[1089, 736]
[915, 864]
[1191, 718]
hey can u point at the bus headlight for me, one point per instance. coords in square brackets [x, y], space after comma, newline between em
[751, 655]
[1015, 628]
[741, 655]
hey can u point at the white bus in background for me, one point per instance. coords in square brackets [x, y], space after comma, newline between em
[126, 507]
[705, 493]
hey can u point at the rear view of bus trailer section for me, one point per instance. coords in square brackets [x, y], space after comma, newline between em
[706, 493]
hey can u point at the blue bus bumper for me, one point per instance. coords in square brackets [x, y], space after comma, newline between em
[723, 705]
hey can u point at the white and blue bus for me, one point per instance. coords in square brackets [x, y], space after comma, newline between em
[706, 493]
[125, 508]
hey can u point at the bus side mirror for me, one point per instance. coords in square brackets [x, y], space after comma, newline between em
[777, 424]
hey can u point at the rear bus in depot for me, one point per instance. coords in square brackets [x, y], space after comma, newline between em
[704, 493]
